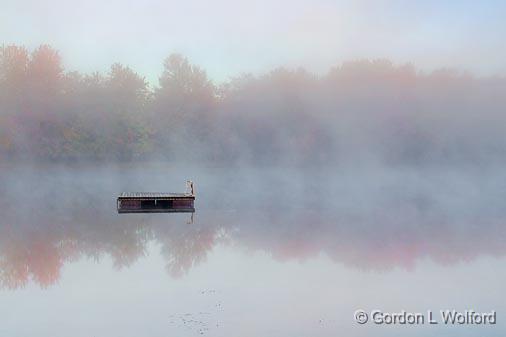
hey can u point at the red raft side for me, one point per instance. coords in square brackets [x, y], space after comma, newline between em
[130, 204]
[183, 204]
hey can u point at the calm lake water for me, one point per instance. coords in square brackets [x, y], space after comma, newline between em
[270, 252]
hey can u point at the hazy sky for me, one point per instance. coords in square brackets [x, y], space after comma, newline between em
[228, 37]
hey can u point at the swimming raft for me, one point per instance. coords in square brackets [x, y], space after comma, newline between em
[157, 202]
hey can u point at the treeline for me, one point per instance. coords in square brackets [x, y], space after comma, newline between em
[360, 110]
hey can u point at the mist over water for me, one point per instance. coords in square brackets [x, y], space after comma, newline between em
[314, 236]
[370, 220]
[373, 185]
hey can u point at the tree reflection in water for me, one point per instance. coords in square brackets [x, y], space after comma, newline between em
[372, 223]
[38, 251]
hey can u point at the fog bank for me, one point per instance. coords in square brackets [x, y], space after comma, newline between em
[359, 112]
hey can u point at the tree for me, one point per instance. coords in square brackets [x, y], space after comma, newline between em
[13, 71]
[184, 104]
[13, 79]
[127, 98]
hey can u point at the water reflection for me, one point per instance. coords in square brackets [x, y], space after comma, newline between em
[38, 251]
[378, 240]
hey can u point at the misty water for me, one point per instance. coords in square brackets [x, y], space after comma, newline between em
[268, 252]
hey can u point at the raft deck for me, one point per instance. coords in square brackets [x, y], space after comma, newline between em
[155, 202]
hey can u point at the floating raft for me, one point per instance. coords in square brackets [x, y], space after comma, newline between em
[150, 202]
